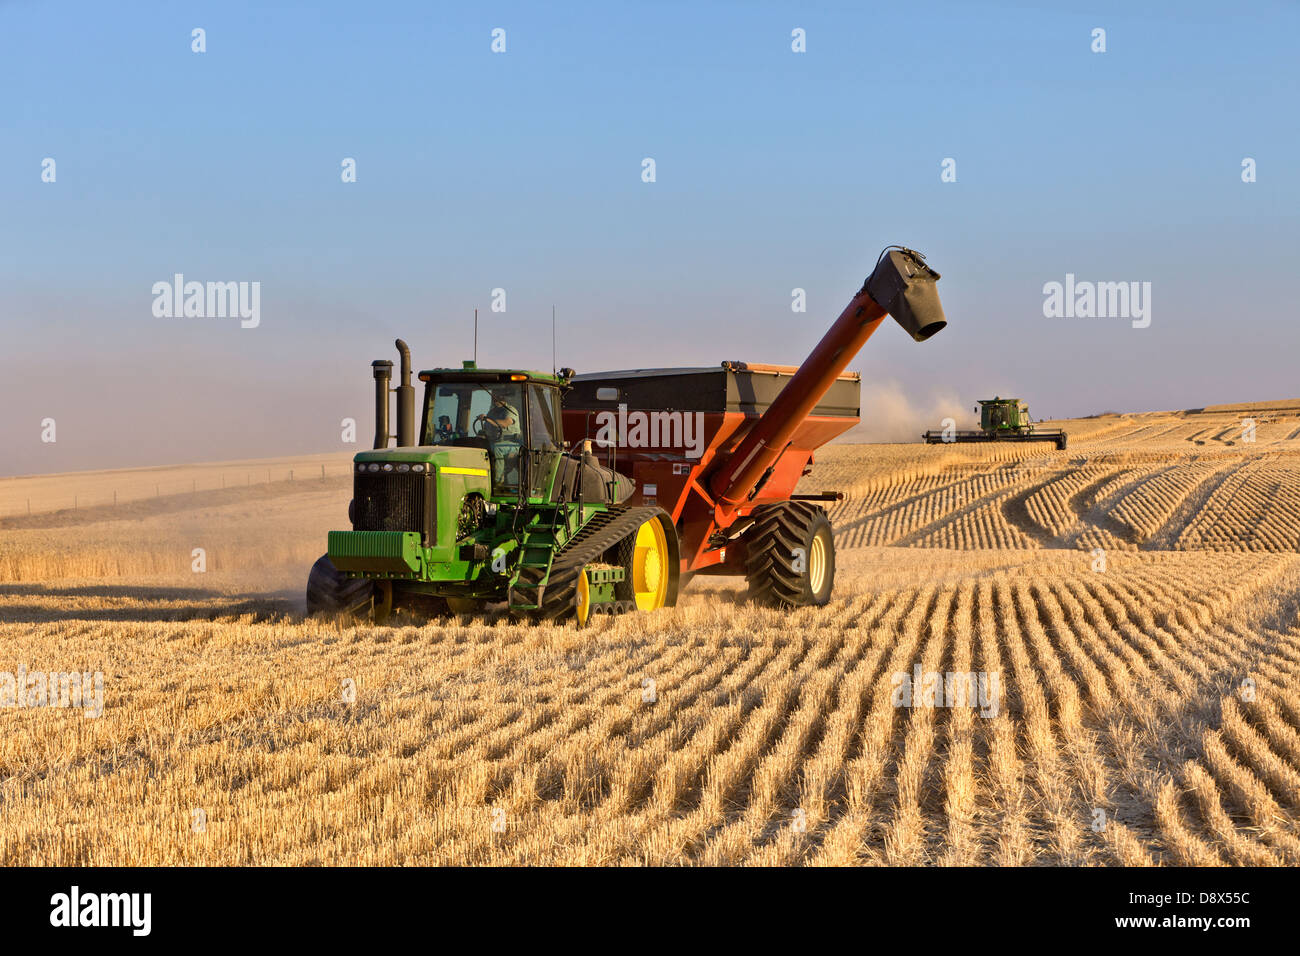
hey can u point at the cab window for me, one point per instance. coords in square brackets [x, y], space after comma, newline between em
[542, 418]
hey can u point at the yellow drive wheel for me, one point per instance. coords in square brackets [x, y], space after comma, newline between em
[583, 611]
[650, 567]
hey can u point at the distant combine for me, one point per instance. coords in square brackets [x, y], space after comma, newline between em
[1001, 419]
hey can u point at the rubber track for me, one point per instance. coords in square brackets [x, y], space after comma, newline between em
[602, 532]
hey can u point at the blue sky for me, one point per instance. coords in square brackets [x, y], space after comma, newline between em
[522, 170]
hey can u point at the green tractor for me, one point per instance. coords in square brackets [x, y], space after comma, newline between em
[490, 507]
[1001, 419]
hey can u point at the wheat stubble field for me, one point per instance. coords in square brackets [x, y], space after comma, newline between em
[1149, 712]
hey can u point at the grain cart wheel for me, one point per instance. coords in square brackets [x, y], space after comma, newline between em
[790, 555]
[330, 591]
[652, 564]
[1060, 443]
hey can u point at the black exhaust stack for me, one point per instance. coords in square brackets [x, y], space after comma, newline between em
[383, 370]
[405, 400]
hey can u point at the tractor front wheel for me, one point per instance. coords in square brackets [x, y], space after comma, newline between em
[790, 556]
[330, 591]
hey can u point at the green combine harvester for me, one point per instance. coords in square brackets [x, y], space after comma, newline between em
[1001, 419]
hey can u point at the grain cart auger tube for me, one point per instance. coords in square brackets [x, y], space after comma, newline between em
[722, 449]
[488, 505]
[1001, 419]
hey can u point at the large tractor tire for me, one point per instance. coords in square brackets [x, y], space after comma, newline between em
[330, 591]
[790, 556]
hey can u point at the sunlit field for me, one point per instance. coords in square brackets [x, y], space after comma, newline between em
[1134, 603]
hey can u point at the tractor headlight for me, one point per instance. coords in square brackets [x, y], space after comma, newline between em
[417, 468]
[388, 466]
[373, 466]
[361, 466]
[403, 467]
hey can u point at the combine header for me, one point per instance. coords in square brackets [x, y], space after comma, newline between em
[562, 495]
[1001, 419]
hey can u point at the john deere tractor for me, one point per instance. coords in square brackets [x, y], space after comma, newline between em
[490, 507]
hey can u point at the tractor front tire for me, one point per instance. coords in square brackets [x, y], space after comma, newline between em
[330, 591]
[790, 556]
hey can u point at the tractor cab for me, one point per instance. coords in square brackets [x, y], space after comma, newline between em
[513, 416]
[1004, 415]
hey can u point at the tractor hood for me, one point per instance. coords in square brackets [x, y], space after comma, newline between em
[439, 455]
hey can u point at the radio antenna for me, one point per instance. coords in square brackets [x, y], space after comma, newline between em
[476, 336]
[552, 339]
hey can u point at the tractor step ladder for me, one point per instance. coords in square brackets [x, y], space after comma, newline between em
[536, 553]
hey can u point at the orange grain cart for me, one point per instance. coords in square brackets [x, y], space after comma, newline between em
[721, 449]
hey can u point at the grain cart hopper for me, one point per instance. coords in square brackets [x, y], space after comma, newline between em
[557, 495]
[1001, 419]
